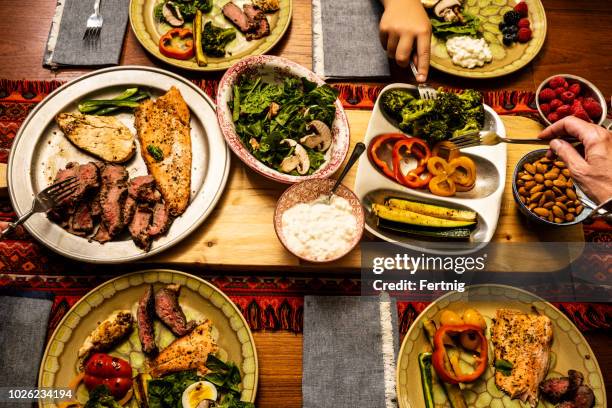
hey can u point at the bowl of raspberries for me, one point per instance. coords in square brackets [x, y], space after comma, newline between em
[564, 95]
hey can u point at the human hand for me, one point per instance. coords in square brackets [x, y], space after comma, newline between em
[593, 172]
[403, 26]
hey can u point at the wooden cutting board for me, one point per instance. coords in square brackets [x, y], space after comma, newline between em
[239, 234]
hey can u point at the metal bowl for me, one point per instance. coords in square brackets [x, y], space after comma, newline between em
[590, 90]
[530, 158]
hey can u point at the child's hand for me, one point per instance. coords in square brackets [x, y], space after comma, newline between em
[405, 25]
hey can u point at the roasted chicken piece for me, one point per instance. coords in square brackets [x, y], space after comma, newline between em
[107, 334]
[103, 136]
[524, 340]
[186, 353]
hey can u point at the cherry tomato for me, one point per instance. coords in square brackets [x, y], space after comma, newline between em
[103, 365]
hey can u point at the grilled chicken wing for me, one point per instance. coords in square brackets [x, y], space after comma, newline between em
[163, 126]
[524, 340]
[102, 136]
[186, 353]
[107, 334]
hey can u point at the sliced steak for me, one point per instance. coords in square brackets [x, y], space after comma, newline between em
[129, 208]
[584, 397]
[113, 194]
[262, 30]
[88, 181]
[160, 221]
[101, 234]
[253, 12]
[234, 14]
[142, 188]
[555, 389]
[82, 222]
[144, 317]
[169, 311]
[576, 378]
[139, 227]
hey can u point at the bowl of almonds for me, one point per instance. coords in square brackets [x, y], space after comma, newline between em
[544, 191]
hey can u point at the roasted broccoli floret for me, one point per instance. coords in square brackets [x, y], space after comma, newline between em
[417, 109]
[471, 125]
[394, 100]
[433, 130]
[215, 39]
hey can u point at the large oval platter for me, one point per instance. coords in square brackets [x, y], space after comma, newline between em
[40, 150]
[148, 31]
[371, 186]
[198, 298]
[508, 59]
[569, 348]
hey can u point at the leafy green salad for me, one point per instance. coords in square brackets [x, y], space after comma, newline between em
[285, 125]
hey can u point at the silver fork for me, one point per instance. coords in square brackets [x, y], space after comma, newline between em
[490, 138]
[425, 91]
[49, 198]
[94, 24]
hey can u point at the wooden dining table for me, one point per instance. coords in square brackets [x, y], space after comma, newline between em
[578, 42]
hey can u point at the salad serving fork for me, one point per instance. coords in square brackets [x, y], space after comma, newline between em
[94, 24]
[47, 199]
[490, 138]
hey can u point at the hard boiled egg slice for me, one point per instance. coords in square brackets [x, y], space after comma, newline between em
[199, 395]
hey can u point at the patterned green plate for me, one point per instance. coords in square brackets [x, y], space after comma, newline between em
[569, 349]
[198, 298]
[505, 59]
[148, 31]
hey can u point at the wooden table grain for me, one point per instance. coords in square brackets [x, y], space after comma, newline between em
[578, 42]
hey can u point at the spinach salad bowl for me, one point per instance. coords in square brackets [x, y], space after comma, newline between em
[282, 120]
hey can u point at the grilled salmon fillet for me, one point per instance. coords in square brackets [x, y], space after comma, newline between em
[186, 353]
[102, 136]
[524, 340]
[163, 126]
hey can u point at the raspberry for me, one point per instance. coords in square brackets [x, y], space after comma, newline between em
[553, 117]
[522, 9]
[555, 104]
[568, 97]
[557, 82]
[523, 23]
[547, 94]
[592, 108]
[576, 106]
[524, 35]
[545, 108]
[559, 91]
[575, 88]
[582, 114]
[564, 110]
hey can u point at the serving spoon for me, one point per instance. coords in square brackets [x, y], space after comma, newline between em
[357, 151]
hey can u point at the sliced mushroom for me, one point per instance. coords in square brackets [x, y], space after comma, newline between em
[297, 160]
[172, 14]
[321, 139]
[449, 10]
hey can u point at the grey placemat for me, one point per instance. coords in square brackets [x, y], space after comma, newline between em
[65, 45]
[345, 39]
[349, 352]
[23, 328]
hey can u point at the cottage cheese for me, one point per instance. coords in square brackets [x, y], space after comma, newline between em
[468, 52]
[319, 230]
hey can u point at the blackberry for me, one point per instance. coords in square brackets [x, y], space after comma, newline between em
[501, 26]
[512, 17]
[507, 40]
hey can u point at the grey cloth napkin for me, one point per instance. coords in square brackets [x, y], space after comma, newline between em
[345, 39]
[23, 328]
[65, 45]
[349, 352]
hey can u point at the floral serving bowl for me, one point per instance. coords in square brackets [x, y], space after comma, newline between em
[275, 69]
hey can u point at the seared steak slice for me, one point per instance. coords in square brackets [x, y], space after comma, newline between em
[139, 227]
[112, 197]
[169, 311]
[555, 389]
[252, 12]
[142, 188]
[101, 234]
[129, 208]
[584, 397]
[262, 30]
[88, 180]
[161, 220]
[144, 316]
[82, 222]
[233, 13]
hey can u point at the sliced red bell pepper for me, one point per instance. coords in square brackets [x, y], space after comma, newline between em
[177, 43]
[115, 373]
[377, 144]
[439, 355]
[420, 150]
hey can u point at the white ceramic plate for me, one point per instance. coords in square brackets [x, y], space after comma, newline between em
[40, 150]
[484, 199]
[274, 69]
